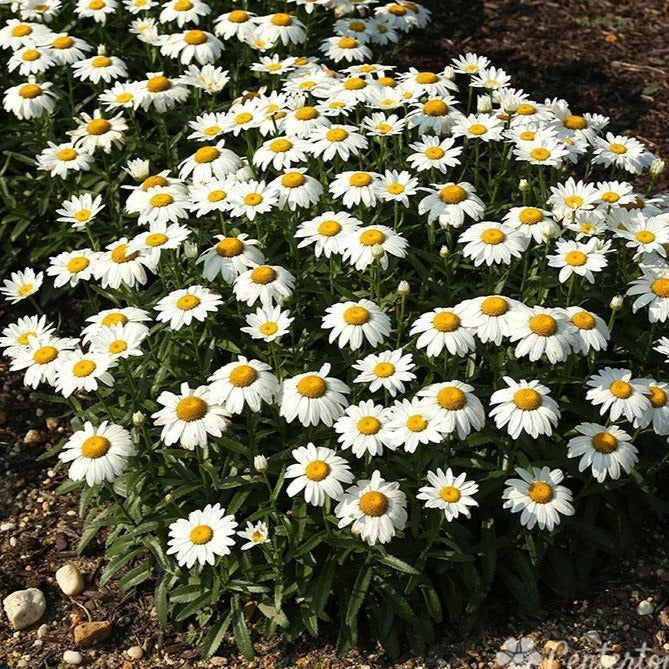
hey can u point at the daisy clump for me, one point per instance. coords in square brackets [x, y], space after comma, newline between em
[341, 343]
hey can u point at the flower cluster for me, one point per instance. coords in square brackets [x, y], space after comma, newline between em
[356, 308]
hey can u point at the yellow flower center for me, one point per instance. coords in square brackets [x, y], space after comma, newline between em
[238, 16]
[113, 319]
[527, 399]
[155, 180]
[229, 247]
[122, 98]
[384, 369]
[206, 154]
[604, 442]
[373, 503]
[31, 55]
[434, 152]
[217, 196]
[657, 397]
[96, 4]
[452, 194]
[449, 494]
[492, 236]
[293, 180]
[540, 153]
[583, 320]
[494, 306]
[451, 398]
[530, 216]
[191, 408]
[201, 534]
[158, 84]
[101, 61]
[347, 43]
[645, 236]
[263, 275]
[355, 84]
[610, 197]
[183, 5]
[243, 376]
[369, 425]
[356, 26]
[156, 239]
[306, 114]
[312, 386]
[660, 287]
[78, 264]
[257, 537]
[280, 145]
[329, 228]
[118, 255]
[387, 81]
[526, 109]
[195, 37]
[540, 492]
[317, 470]
[26, 289]
[360, 179]
[356, 315]
[621, 389]
[66, 155]
[435, 108]
[23, 338]
[426, 78]
[446, 321]
[416, 423]
[576, 258]
[384, 128]
[21, 30]
[543, 325]
[618, 148]
[243, 118]
[269, 328]
[478, 129]
[95, 447]
[372, 237]
[45, 355]
[30, 91]
[575, 123]
[395, 189]
[117, 346]
[83, 368]
[253, 199]
[161, 200]
[98, 126]
[188, 302]
[282, 19]
[574, 201]
[336, 135]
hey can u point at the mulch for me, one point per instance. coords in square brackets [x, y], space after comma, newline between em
[610, 57]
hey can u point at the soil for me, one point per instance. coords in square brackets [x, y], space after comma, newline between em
[606, 57]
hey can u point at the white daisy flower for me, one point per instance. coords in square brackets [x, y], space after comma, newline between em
[83, 371]
[119, 266]
[450, 203]
[615, 391]
[97, 454]
[571, 197]
[255, 534]
[539, 330]
[524, 406]
[21, 285]
[351, 323]
[580, 259]
[252, 198]
[122, 340]
[110, 317]
[621, 151]
[326, 232]
[41, 358]
[205, 534]
[295, 188]
[375, 508]
[490, 316]
[79, 210]
[61, 159]
[652, 289]
[188, 418]
[243, 382]
[434, 152]
[591, 330]
[458, 408]
[230, 256]
[313, 398]
[29, 99]
[533, 222]
[281, 153]
[181, 307]
[389, 370]
[538, 496]
[268, 323]
[492, 243]
[414, 422]
[357, 247]
[16, 336]
[319, 472]
[364, 429]
[454, 495]
[657, 415]
[70, 267]
[441, 328]
[606, 451]
[265, 283]
[355, 188]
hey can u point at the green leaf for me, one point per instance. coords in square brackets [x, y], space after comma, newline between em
[214, 636]
[135, 576]
[399, 565]
[241, 632]
[358, 594]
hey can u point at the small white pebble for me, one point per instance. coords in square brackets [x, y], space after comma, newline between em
[645, 608]
[13, 541]
[135, 652]
[42, 631]
[5, 527]
[72, 657]
[608, 661]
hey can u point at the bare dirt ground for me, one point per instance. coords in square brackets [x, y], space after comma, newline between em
[610, 57]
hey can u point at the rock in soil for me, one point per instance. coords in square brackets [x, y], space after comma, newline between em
[70, 580]
[24, 607]
[90, 634]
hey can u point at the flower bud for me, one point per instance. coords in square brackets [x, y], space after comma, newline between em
[190, 250]
[448, 73]
[102, 50]
[523, 185]
[483, 104]
[616, 303]
[378, 251]
[169, 497]
[260, 463]
[656, 167]
[444, 252]
[138, 418]
[138, 169]
[404, 288]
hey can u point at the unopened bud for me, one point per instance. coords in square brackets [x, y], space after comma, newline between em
[169, 497]
[444, 252]
[378, 251]
[523, 185]
[616, 303]
[260, 463]
[138, 418]
[483, 104]
[102, 50]
[404, 288]
[190, 250]
[448, 73]
[138, 169]
[656, 167]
